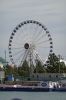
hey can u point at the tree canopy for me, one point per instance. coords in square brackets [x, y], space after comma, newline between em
[54, 66]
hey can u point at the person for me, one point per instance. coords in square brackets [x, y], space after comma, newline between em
[54, 86]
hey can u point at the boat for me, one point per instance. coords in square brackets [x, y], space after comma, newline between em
[40, 86]
[26, 86]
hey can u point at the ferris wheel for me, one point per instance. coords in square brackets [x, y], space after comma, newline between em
[30, 40]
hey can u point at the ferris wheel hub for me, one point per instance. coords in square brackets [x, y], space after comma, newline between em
[26, 46]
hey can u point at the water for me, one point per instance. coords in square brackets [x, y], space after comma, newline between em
[32, 95]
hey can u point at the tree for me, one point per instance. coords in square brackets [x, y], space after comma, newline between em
[24, 69]
[8, 70]
[39, 68]
[55, 66]
[53, 63]
[62, 67]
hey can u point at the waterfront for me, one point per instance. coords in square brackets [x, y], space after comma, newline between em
[33, 95]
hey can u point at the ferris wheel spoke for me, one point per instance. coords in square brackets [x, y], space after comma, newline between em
[27, 38]
[26, 33]
[45, 47]
[35, 30]
[18, 59]
[39, 38]
[16, 53]
[38, 57]
[22, 32]
[31, 31]
[49, 47]
[24, 57]
[37, 34]
[17, 48]
[17, 45]
[42, 42]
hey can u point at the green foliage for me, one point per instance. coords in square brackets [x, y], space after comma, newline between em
[24, 69]
[8, 70]
[62, 67]
[55, 66]
[39, 67]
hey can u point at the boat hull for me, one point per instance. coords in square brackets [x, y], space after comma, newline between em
[27, 89]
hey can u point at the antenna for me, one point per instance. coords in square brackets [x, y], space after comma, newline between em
[5, 56]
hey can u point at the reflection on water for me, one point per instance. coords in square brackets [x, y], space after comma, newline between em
[32, 95]
[16, 99]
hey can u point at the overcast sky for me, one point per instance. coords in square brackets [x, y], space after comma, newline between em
[52, 13]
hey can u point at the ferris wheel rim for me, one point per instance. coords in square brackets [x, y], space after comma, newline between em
[22, 24]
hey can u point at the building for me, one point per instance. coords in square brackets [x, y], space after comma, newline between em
[47, 76]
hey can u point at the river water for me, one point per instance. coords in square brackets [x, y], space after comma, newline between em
[32, 95]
